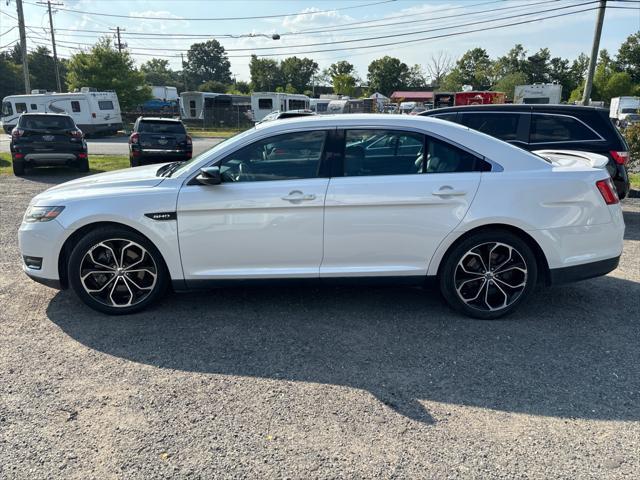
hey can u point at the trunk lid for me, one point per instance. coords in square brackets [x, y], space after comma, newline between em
[573, 159]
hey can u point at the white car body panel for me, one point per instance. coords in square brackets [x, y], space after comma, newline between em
[354, 226]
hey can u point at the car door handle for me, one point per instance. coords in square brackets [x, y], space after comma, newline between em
[298, 196]
[448, 192]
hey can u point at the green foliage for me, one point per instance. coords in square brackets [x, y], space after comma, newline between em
[42, 70]
[297, 73]
[416, 78]
[242, 87]
[104, 68]
[619, 84]
[628, 59]
[387, 74]
[157, 72]
[509, 82]
[473, 68]
[213, 86]
[344, 84]
[11, 81]
[632, 136]
[207, 61]
[341, 68]
[265, 74]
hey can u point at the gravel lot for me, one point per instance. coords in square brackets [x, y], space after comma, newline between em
[318, 383]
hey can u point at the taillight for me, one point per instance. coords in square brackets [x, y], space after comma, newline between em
[134, 138]
[16, 133]
[620, 157]
[189, 141]
[608, 191]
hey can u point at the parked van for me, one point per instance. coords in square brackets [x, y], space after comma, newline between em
[539, 93]
[92, 111]
[263, 103]
[625, 110]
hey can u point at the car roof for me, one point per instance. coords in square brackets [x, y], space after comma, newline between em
[160, 119]
[523, 107]
[39, 114]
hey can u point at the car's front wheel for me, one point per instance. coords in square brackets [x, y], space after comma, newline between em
[117, 271]
[488, 275]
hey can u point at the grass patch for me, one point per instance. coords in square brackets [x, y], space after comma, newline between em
[634, 178]
[97, 164]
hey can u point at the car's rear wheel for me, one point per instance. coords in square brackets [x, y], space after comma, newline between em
[134, 162]
[117, 271]
[18, 166]
[488, 275]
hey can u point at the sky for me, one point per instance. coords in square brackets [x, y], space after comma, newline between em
[318, 23]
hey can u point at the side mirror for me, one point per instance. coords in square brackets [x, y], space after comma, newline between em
[209, 176]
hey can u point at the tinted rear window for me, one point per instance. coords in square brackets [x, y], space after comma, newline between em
[500, 125]
[161, 127]
[555, 128]
[46, 122]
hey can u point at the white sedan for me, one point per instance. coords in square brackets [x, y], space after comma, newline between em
[358, 197]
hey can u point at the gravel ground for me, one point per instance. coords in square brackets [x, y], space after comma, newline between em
[318, 382]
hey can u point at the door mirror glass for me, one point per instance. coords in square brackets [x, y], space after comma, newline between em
[209, 176]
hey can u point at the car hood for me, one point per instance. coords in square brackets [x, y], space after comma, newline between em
[120, 180]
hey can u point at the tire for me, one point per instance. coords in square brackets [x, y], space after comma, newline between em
[18, 167]
[117, 287]
[134, 162]
[83, 164]
[477, 288]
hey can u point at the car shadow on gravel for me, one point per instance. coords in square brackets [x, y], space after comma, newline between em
[571, 352]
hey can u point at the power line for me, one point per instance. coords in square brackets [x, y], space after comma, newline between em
[218, 19]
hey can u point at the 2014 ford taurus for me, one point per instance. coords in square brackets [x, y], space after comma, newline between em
[392, 198]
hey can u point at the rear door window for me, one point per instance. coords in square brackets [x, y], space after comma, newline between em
[452, 116]
[161, 127]
[559, 128]
[382, 152]
[500, 125]
[443, 157]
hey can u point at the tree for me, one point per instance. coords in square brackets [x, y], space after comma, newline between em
[473, 68]
[297, 72]
[438, 66]
[509, 82]
[344, 84]
[604, 71]
[341, 68]
[213, 86]
[619, 84]
[42, 70]
[387, 74]
[537, 66]
[239, 88]
[628, 59]
[416, 78]
[207, 61]
[265, 74]
[512, 62]
[105, 68]
[560, 71]
[11, 81]
[157, 72]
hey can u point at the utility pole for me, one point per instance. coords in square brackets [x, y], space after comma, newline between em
[595, 48]
[23, 47]
[120, 44]
[184, 76]
[53, 44]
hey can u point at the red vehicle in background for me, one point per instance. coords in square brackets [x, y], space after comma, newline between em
[479, 98]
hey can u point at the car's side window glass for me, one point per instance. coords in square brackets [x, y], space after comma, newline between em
[445, 158]
[500, 125]
[382, 152]
[550, 128]
[282, 157]
[451, 117]
[21, 107]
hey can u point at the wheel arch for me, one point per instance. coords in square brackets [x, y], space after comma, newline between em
[541, 258]
[67, 246]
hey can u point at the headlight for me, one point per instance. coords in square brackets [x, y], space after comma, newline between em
[42, 214]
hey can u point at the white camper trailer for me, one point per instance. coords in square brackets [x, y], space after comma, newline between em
[167, 94]
[539, 93]
[263, 103]
[92, 111]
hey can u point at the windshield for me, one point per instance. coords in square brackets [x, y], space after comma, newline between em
[184, 166]
[161, 127]
[46, 122]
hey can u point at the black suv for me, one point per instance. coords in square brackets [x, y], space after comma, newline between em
[47, 139]
[158, 140]
[540, 127]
